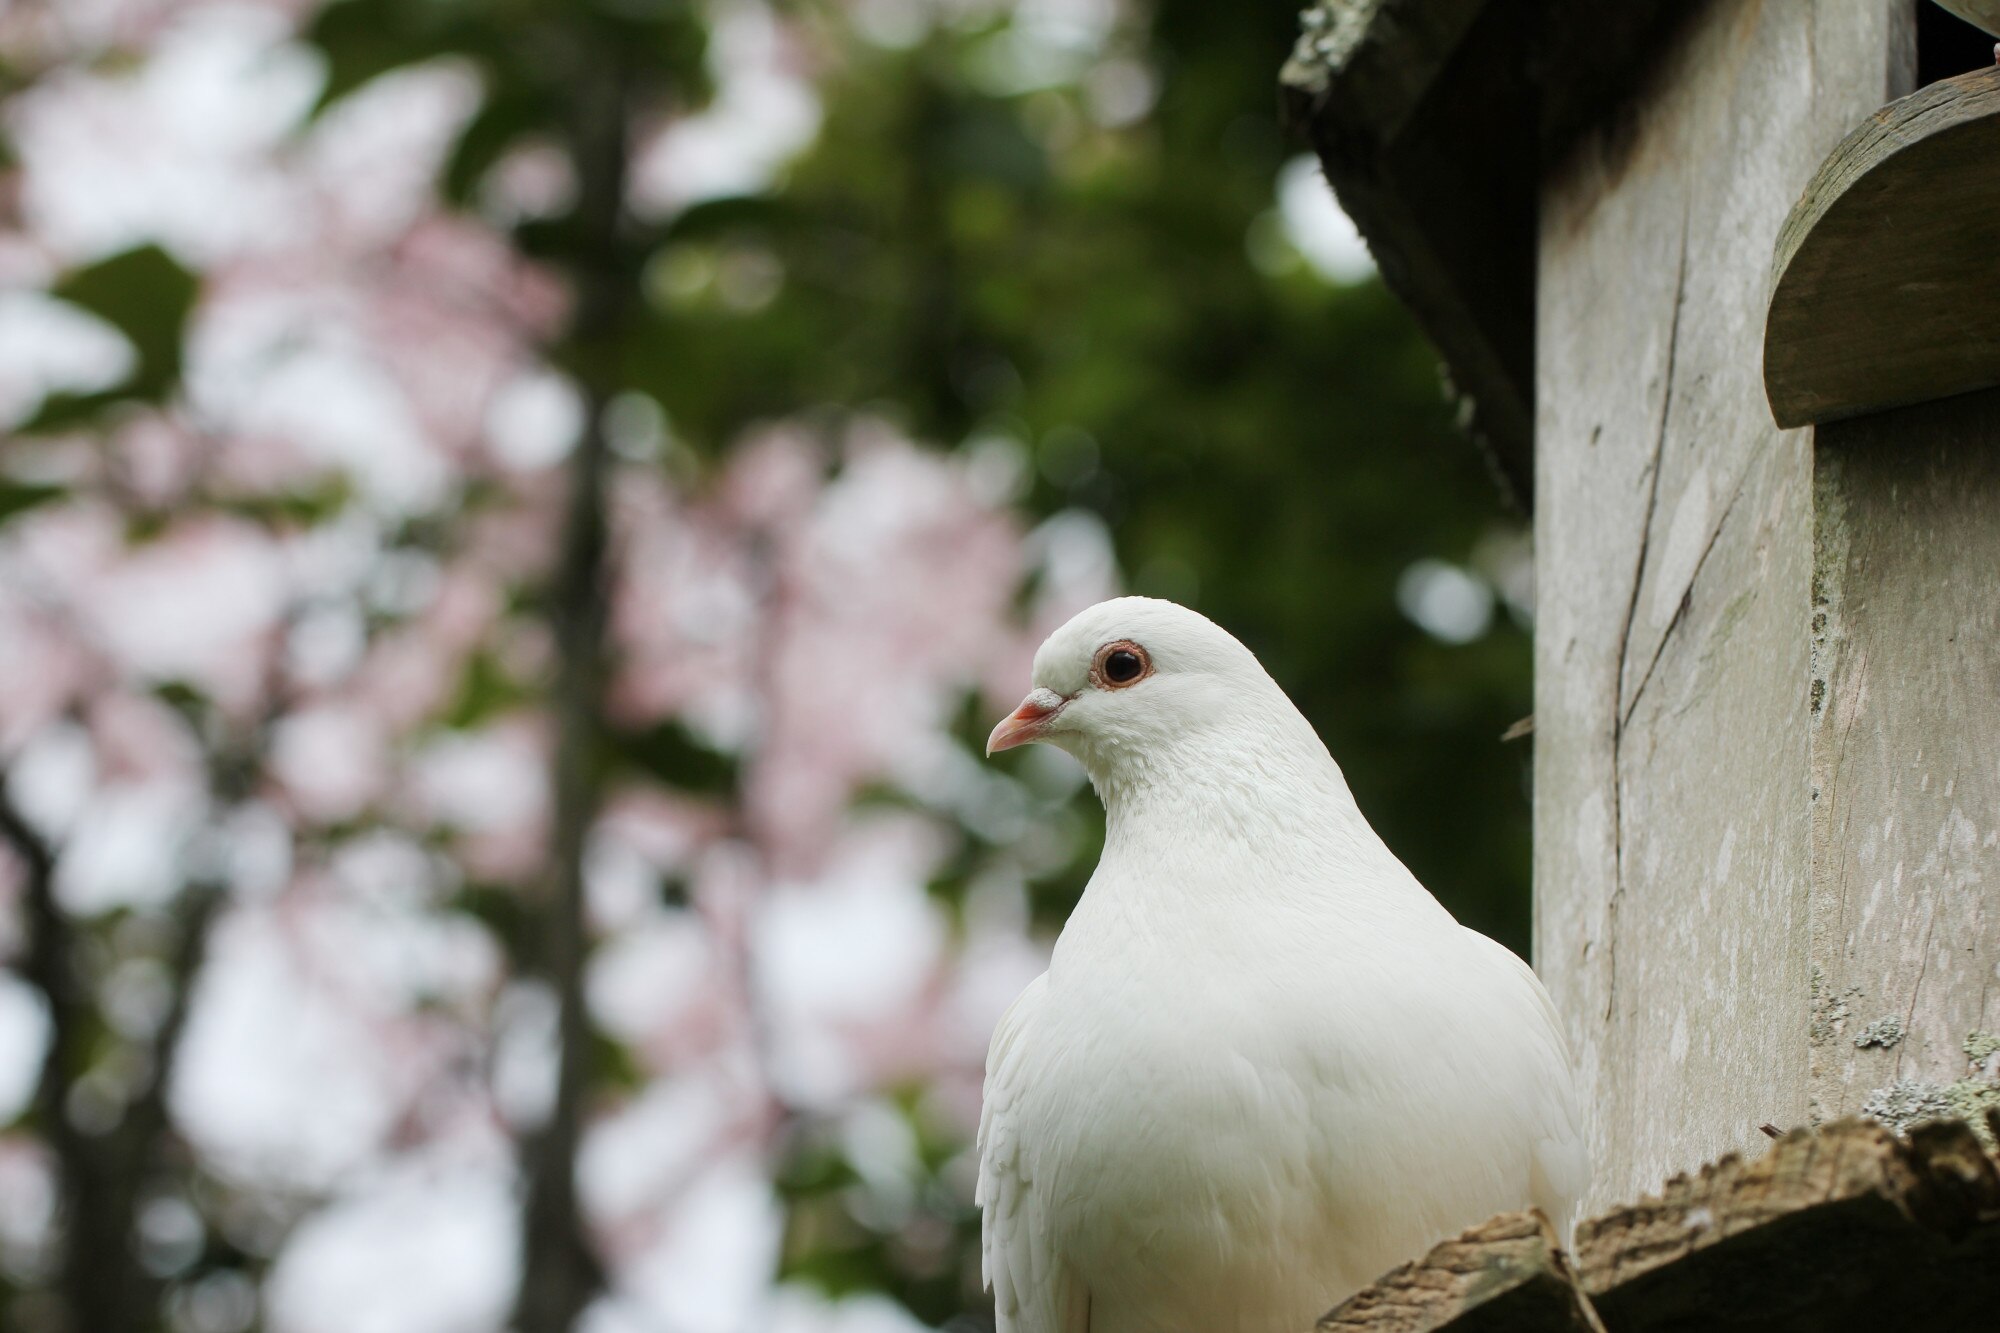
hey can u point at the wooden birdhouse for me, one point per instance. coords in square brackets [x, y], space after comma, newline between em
[1720, 283]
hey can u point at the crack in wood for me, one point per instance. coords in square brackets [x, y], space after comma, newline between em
[1917, 986]
[1681, 607]
[1618, 718]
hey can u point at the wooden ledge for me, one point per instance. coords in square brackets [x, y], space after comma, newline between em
[1507, 1275]
[1884, 289]
[1844, 1228]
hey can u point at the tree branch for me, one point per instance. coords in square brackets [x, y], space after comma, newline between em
[560, 1272]
[96, 1281]
[102, 1175]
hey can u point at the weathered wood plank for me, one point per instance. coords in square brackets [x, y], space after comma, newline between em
[1423, 118]
[1673, 534]
[1432, 119]
[1906, 760]
[1883, 286]
[1845, 1229]
[1370, 62]
[1506, 1275]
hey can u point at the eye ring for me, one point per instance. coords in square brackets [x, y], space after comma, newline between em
[1120, 665]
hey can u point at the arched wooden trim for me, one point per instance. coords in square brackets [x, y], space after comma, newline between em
[1886, 286]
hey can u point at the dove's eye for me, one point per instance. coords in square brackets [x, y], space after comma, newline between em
[1121, 664]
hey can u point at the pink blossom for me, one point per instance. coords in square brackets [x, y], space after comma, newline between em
[490, 787]
[331, 760]
[158, 458]
[45, 666]
[138, 738]
[329, 529]
[196, 603]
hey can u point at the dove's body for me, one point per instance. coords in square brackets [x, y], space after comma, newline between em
[1264, 1065]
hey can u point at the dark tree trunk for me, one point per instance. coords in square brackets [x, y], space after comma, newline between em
[560, 1272]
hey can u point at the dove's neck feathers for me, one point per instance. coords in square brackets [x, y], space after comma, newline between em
[1257, 793]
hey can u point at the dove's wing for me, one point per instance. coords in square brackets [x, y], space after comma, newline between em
[1033, 1291]
[1561, 1154]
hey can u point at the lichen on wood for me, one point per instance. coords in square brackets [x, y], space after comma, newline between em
[1884, 1032]
[1328, 34]
[1907, 1103]
[1975, 1099]
[1905, 838]
[1830, 1011]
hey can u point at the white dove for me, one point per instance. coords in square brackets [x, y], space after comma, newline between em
[1264, 1065]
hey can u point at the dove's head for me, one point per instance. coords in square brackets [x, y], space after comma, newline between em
[1138, 685]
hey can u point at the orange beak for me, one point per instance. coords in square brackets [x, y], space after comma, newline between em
[1027, 723]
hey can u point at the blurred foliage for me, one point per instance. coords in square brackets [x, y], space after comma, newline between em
[667, 753]
[976, 261]
[147, 296]
[915, 1237]
[982, 263]
[17, 496]
[1269, 447]
[528, 51]
[1098, 283]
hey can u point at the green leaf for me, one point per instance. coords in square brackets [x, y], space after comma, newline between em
[361, 40]
[183, 698]
[667, 752]
[501, 910]
[17, 496]
[613, 1064]
[146, 295]
[508, 115]
[365, 39]
[484, 691]
[661, 43]
[304, 508]
[66, 411]
[727, 215]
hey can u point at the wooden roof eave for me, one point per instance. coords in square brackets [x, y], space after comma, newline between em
[1433, 120]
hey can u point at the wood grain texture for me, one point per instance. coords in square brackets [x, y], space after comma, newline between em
[1849, 1228]
[1883, 288]
[1906, 756]
[1506, 1275]
[1673, 533]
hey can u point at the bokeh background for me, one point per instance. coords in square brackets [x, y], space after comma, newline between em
[515, 519]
